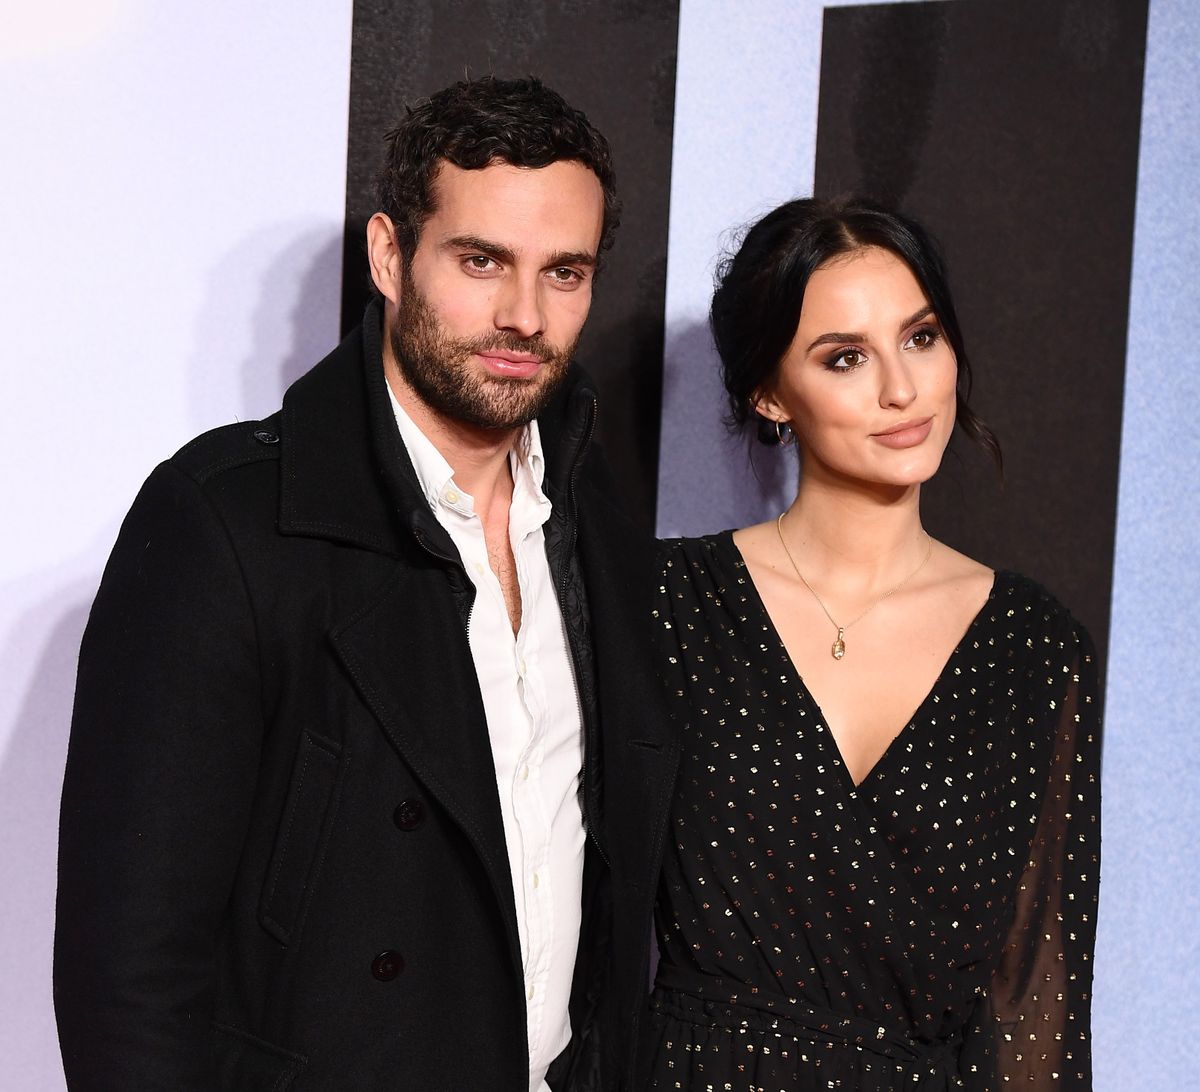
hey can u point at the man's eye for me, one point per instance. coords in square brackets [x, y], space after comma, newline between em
[565, 275]
[480, 263]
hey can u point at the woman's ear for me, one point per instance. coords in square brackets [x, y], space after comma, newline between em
[766, 405]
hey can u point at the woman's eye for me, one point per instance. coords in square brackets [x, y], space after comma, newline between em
[925, 338]
[846, 359]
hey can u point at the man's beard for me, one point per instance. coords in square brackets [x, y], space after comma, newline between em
[437, 367]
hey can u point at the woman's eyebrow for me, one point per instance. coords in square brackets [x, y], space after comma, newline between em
[835, 337]
[916, 316]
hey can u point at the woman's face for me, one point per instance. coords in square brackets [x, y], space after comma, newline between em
[868, 383]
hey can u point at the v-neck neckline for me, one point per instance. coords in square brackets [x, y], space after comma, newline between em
[811, 698]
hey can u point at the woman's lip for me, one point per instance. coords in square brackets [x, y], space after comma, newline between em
[907, 434]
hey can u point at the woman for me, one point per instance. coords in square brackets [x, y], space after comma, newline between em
[881, 870]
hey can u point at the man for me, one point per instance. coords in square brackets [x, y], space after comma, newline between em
[367, 783]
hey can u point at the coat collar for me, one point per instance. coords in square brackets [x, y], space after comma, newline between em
[346, 474]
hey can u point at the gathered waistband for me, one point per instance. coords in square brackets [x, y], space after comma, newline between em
[726, 1002]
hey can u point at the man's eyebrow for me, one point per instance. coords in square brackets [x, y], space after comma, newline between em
[485, 246]
[571, 257]
[834, 338]
[504, 254]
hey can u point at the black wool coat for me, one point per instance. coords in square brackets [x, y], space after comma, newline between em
[282, 862]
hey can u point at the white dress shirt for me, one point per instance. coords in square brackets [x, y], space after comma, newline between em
[534, 724]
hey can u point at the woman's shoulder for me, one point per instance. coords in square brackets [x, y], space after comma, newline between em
[697, 571]
[1027, 605]
[688, 551]
[1025, 594]
[1018, 611]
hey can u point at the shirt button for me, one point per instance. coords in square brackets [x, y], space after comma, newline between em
[529, 992]
[452, 496]
[536, 880]
[524, 773]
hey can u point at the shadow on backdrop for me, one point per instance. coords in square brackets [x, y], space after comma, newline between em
[292, 323]
[42, 647]
[742, 481]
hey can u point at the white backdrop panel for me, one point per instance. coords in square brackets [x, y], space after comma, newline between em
[171, 210]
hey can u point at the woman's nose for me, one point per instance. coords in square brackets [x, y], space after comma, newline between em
[898, 385]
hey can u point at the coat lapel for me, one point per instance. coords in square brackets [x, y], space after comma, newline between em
[346, 476]
[416, 674]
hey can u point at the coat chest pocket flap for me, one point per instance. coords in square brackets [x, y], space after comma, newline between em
[302, 837]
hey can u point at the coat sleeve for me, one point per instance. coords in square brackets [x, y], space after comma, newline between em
[1035, 1031]
[164, 750]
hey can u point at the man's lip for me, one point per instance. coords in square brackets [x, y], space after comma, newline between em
[904, 426]
[511, 357]
[510, 365]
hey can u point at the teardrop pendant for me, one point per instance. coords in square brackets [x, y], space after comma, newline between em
[839, 646]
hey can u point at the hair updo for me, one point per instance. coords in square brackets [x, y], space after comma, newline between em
[760, 291]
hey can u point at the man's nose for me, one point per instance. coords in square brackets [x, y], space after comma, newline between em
[519, 307]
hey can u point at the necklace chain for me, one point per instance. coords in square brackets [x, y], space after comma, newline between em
[838, 649]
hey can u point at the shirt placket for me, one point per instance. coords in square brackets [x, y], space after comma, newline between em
[519, 678]
[529, 805]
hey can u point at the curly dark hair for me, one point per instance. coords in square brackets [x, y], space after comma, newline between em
[477, 122]
[760, 290]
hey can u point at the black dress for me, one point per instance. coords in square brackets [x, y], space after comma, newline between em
[929, 928]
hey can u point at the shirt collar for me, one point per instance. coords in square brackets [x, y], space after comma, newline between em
[436, 476]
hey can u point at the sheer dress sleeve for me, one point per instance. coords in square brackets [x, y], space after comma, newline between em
[1034, 1026]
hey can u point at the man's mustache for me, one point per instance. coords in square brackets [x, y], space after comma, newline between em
[508, 342]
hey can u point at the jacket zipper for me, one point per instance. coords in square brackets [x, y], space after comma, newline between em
[572, 535]
[419, 535]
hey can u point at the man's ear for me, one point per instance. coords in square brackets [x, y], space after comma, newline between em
[383, 257]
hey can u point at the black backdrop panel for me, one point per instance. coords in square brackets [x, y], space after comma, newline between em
[613, 59]
[1010, 128]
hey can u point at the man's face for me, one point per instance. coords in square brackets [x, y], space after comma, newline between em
[490, 309]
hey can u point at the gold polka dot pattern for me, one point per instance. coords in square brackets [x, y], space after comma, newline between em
[930, 928]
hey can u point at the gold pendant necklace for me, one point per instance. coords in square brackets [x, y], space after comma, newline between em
[838, 649]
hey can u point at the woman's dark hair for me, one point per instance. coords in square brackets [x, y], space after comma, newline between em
[760, 290]
[478, 122]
